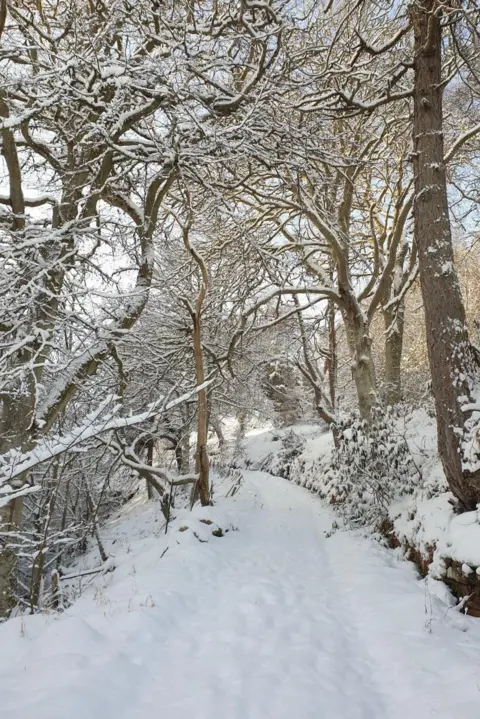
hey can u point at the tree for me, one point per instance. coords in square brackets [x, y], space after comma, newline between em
[100, 106]
[453, 363]
[343, 215]
[195, 310]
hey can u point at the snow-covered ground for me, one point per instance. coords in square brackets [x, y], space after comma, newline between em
[273, 620]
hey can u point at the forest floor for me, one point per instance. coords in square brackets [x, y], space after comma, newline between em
[274, 620]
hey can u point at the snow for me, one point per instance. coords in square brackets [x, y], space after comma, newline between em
[261, 443]
[462, 540]
[7, 493]
[112, 71]
[423, 522]
[271, 621]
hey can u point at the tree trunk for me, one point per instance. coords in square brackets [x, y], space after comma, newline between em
[217, 428]
[17, 408]
[185, 444]
[394, 324]
[202, 487]
[363, 375]
[43, 524]
[449, 352]
[332, 353]
[242, 424]
[179, 457]
[150, 444]
[10, 518]
[201, 458]
[363, 368]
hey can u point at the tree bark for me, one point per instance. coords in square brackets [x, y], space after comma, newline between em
[10, 518]
[150, 444]
[185, 445]
[394, 324]
[217, 428]
[201, 458]
[42, 526]
[202, 486]
[179, 458]
[332, 353]
[449, 351]
[363, 369]
[364, 377]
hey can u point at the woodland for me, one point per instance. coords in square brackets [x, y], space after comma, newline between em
[223, 213]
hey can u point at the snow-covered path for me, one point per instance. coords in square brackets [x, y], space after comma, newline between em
[273, 621]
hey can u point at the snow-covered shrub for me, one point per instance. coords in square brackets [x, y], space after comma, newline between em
[371, 465]
[281, 464]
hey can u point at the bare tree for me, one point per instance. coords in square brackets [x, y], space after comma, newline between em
[101, 107]
[453, 364]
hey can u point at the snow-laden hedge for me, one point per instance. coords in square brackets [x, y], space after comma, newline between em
[370, 467]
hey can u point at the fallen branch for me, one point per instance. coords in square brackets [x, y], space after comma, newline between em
[109, 566]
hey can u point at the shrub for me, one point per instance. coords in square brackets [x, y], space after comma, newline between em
[370, 467]
[282, 463]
